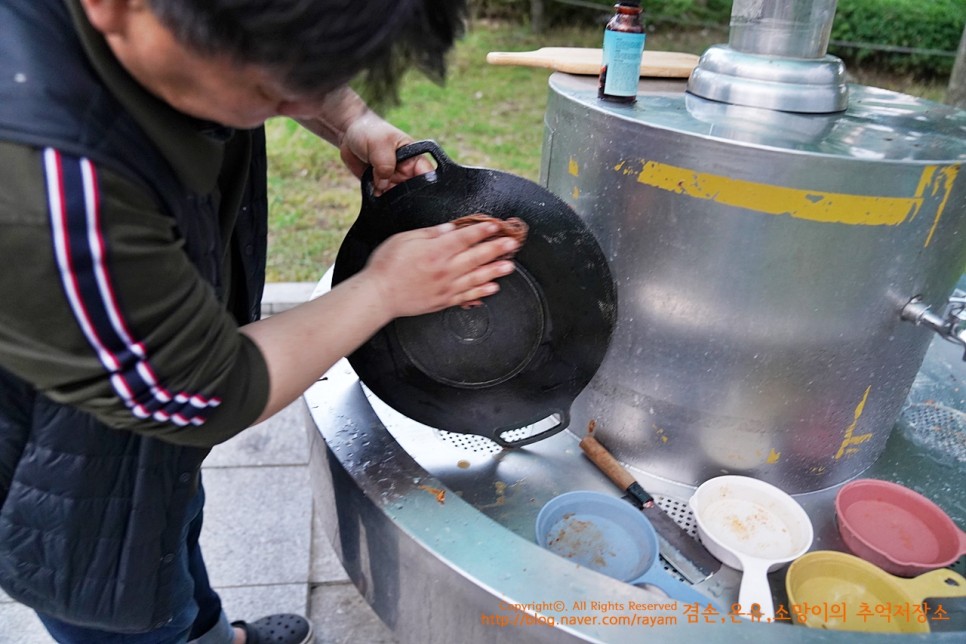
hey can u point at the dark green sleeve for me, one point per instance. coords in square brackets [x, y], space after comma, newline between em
[210, 381]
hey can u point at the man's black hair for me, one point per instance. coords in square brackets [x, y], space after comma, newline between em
[316, 45]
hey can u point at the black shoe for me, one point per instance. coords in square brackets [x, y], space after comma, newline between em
[277, 629]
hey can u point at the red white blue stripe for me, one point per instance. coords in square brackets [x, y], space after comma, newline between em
[81, 252]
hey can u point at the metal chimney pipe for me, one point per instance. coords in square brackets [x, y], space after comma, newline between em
[788, 28]
[775, 59]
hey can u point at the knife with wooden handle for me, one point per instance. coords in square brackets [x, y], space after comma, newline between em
[684, 553]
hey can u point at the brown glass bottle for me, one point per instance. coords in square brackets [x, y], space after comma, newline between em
[623, 45]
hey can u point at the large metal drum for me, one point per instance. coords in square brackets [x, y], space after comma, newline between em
[762, 261]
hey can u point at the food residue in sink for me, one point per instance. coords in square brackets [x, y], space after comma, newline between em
[435, 491]
[749, 527]
[581, 540]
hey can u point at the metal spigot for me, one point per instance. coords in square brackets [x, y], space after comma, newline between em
[951, 324]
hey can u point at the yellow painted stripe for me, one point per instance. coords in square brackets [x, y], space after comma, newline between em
[850, 441]
[947, 176]
[934, 187]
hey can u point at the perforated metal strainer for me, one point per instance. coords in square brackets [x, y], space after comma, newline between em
[937, 428]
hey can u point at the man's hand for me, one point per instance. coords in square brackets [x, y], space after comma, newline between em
[364, 138]
[428, 269]
[370, 140]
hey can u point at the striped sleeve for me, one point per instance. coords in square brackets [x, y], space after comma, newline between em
[79, 249]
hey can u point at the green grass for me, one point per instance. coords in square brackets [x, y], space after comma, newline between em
[486, 115]
[312, 201]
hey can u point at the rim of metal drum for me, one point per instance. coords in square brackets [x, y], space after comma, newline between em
[872, 129]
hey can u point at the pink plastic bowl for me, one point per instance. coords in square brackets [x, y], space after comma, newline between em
[896, 529]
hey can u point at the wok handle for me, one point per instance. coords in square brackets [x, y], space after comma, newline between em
[563, 419]
[610, 466]
[423, 147]
[443, 163]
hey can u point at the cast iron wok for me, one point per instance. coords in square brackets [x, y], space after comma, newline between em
[529, 350]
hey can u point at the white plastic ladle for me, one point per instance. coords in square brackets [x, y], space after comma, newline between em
[754, 527]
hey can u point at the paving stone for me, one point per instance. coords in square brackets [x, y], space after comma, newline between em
[341, 616]
[280, 440]
[257, 528]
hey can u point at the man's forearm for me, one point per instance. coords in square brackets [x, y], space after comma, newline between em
[337, 112]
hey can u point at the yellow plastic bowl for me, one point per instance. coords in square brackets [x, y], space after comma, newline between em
[826, 578]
